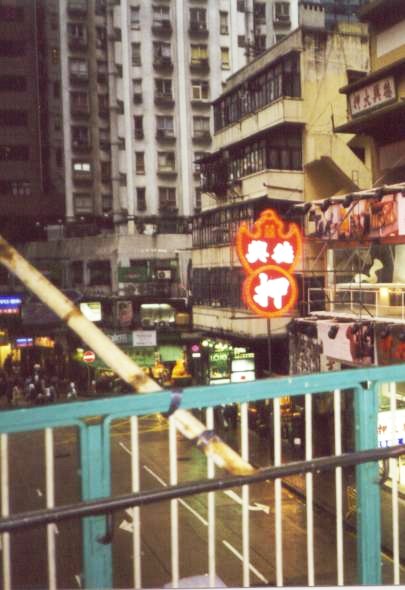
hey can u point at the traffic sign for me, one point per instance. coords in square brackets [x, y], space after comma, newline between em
[89, 356]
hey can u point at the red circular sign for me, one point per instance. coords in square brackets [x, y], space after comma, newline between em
[89, 356]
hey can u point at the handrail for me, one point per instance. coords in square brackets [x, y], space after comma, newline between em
[108, 505]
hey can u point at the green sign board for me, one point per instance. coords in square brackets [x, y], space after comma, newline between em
[133, 274]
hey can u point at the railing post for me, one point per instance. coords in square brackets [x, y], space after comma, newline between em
[368, 489]
[96, 483]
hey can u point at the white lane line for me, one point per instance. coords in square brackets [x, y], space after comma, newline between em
[240, 556]
[182, 502]
[205, 522]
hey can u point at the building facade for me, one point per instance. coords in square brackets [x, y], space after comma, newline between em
[274, 146]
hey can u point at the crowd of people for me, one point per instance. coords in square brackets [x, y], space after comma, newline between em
[36, 388]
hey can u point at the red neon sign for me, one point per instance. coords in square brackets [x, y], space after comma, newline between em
[268, 254]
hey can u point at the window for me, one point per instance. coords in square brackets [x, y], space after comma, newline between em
[241, 5]
[77, 31]
[83, 203]
[56, 89]
[167, 198]
[12, 48]
[200, 90]
[136, 54]
[223, 23]
[101, 7]
[160, 13]
[14, 153]
[198, 156]
[141, 199]
[241, 40]
[138, 126]
[105, 168]
[78, 68]
[163, 87]
[101, 38]
[161, 50]
[134, 17]
[260, 43]
[165, 124]
[201, 125]
[21, 188]
[59, 157]
[76, 272]
[13, 118]
[198, 53]
[99, 272]
[79, 101]
[166, 161]
[11, 14]
[140, 162]
[137, 85]
[103, 102]
[106, 203]
[80, 136]
[197, 204]
[13, 83]
[282, 11]
[198, 18]
[82, 168]
[260, 12]
[55, 55]
[225, 65]
[104, 138]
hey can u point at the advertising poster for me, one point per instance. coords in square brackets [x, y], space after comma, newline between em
[124, 313]
[362, 219]
[390, 343]
[351, 343]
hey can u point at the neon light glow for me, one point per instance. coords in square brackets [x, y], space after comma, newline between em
[268, 254]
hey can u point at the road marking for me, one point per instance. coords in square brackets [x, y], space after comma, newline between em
[256, 506]
[240, 556]
[182, 502]
[125, 525]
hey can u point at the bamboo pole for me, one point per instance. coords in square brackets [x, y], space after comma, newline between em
[115, 358]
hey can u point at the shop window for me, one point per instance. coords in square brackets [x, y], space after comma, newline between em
[99, 273]
[157, 315]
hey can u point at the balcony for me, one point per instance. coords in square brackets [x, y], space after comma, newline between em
[77, 44]
[166, 172]
[81, 146]
[202, 136]
[198, 29]
[163, 27]
[163, 63]
[80, 111]
[200, 65]
[164, 100]
[383, 301]
[200, 103]
[165, 135]
[77, 7]
[282, 20]
[79, 78]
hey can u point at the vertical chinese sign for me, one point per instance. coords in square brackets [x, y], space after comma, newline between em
[268, 254]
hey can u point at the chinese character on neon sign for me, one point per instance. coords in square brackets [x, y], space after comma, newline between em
[268, 254]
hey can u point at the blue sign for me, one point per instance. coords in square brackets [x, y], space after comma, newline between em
[24, 342]
[10, 304]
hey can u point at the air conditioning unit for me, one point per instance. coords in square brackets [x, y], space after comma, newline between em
[164, 275]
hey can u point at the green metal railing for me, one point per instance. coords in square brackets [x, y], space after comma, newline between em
[93, 419]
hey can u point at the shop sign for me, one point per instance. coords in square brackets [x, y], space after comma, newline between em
[3, 337]
[268, 254]
[24, 342]
[144, 338]
[91, 310]
[144, 357]
[352, 343]
[391, 433]
[89, 356]
[122, 338]
[243, 355]
[44, 342]
[219, 356]
[373, 95]
[132, 274]
[10, 304]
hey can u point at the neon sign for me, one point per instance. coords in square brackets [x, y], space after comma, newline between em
[268, 255]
